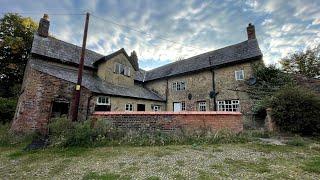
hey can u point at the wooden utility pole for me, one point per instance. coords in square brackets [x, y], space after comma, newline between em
[76, 98]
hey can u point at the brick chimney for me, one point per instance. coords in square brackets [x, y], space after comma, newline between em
[43, 29]
[134, 60]
[251, 31]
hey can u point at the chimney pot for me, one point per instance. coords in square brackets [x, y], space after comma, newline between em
[43, 29]
[251, 31]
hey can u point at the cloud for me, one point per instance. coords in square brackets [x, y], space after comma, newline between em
[196, 25]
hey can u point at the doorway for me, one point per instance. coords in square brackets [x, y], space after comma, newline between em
[141, 107]
[177, 107]
[59, 109]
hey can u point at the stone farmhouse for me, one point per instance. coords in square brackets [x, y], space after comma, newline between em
[212, 81]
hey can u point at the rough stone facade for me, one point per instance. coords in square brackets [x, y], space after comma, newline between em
[106, 71]
[200, 84]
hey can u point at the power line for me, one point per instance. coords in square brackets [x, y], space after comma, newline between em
[143, 32]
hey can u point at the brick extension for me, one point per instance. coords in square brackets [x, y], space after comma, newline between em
[188, 120]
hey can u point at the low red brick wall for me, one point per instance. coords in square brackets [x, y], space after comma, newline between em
[167, 121]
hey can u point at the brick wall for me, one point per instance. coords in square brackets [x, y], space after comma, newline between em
[35, 102]
[167, 121]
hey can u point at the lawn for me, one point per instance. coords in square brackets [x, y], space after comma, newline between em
[253, 160]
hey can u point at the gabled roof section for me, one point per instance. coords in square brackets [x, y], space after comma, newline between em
[62, 51]
[93, 83]
[236, 53]
[120, 51]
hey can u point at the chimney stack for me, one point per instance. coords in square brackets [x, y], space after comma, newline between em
[251, 32]
[134, 59]
[43, 29]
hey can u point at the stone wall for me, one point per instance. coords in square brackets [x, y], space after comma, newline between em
[118, 103]
[107, 73]
[39, 91]
[199, 85]
[169, 121]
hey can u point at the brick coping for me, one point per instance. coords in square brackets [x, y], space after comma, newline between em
[166, 113]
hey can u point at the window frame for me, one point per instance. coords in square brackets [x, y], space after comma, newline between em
[201, 105]
[229, 105]
[241, 74]
[183, 106]
[128, 107]
[179, 85]
[105, 103]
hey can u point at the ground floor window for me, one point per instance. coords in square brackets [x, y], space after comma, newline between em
[129, 107]
[202, 106]
[183, 106]
[229, 105]
[102, 103]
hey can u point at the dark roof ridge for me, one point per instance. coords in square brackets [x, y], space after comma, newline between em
[198, 55]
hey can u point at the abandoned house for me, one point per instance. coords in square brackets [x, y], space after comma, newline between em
[210, 81]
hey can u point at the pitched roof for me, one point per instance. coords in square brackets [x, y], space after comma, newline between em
[93, 83]
[110, 56]
[231, 54]
[62, 51]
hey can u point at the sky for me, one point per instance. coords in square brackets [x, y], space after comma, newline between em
[164, 31]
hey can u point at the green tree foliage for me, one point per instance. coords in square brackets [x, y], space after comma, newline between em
[7, 109]
[297, 110]
[305, 63]
[16, 35]
[268, 80]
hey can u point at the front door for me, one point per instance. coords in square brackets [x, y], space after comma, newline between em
[176, 107]
[141, 107]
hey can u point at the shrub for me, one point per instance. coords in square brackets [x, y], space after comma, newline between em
[7, 109]
[296, 141]
[296, 110]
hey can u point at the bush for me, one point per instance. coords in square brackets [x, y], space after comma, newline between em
[296, 110]
[7, 109]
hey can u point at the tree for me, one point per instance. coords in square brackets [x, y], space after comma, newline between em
[297, 110]
[16, 35]
[305, 63]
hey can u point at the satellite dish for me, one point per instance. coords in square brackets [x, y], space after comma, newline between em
[212, 94]
[251, 81]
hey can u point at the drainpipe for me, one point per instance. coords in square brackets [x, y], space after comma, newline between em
[213, 86]
[167, 92]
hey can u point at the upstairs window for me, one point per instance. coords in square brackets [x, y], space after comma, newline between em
[202, 106]
[129, 107]
[239, 75]
[229, 105]
[179, 86]
[122, 69]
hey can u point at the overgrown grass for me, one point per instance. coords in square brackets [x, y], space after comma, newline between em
[312, 165]
[105, 176]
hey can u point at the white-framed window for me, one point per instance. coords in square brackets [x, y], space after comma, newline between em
[229, 105]
[179, 86]
[127, 71]
[103, 100]
[129, 107]
[122, 69]
[156, 108]
[239, 75]
[202, 106]
[183, 106]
